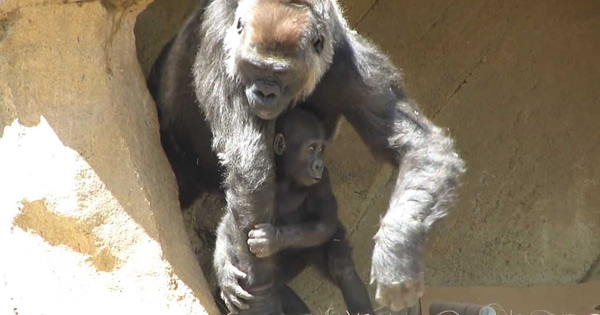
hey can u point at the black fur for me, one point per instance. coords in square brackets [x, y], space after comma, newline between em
[203, 106]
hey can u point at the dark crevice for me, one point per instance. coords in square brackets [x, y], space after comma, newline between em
[460, 85]
[362, 17]
[437, 21]
[7, 23]
[594, 268]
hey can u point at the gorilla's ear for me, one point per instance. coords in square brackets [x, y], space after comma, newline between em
[279, 144]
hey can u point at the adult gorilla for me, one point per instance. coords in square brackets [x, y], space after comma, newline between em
[236, 65]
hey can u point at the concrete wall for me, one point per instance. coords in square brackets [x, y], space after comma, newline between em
[517, 83]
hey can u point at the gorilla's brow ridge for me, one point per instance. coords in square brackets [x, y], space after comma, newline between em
[307, 3]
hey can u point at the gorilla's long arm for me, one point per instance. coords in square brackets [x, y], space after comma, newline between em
[243, 143]
[228, 275]
[373, 101]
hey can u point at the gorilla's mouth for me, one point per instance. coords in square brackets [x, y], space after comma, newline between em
[266, 115]
[268, 111]
[266, 98]
[312, 181]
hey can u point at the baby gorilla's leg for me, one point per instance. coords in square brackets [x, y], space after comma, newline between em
[291, 302]
[338, 266]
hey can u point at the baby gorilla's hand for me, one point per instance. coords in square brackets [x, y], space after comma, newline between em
[263, 240]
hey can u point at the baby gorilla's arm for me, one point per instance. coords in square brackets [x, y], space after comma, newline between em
[266, 240]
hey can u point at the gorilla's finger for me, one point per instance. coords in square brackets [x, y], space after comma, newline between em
[253, 242]
[255, 251]
[397, 305]
[262, 254]
[258, 251]
[381, 296]
[238, 273]
[238, 303]
[372, 275]
[230, 307]
[262, 226]
[243, 294]
[398, 297]
[412, 301]
[407, 295]
[256, 245]
[410, 292]
[257, 234]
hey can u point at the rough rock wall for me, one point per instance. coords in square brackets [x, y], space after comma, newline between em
[89, 217]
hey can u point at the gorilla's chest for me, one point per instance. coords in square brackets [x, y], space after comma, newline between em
[290, 208]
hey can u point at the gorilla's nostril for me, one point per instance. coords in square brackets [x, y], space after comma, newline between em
[266, 90]
[263, 97]
[259, 94]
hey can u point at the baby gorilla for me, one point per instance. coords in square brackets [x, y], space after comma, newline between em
[306, 229]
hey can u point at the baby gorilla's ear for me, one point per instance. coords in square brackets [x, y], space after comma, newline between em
[279, 144]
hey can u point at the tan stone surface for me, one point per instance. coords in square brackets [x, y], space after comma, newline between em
[89, 218]
[568, 299]
[516, 82]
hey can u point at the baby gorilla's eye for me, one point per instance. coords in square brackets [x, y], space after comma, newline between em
[240, 26]
[321, 148]
[312, 148]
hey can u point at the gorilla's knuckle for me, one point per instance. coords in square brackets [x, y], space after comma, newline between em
[230, 287]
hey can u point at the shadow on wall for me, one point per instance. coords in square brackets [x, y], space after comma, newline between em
[157, 25]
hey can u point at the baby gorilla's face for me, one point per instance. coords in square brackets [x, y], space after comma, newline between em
[307, 162]
[299, 145]
[301, 157]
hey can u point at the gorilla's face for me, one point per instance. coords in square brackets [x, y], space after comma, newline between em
[278, 50]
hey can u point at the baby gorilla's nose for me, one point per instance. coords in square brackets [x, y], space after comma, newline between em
[317, 168]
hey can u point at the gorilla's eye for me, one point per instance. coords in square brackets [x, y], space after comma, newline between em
[240, 26]
[318, 44]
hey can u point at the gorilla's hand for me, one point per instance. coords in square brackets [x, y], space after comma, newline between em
[396, 267]
[231, 291]
[263, 240]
